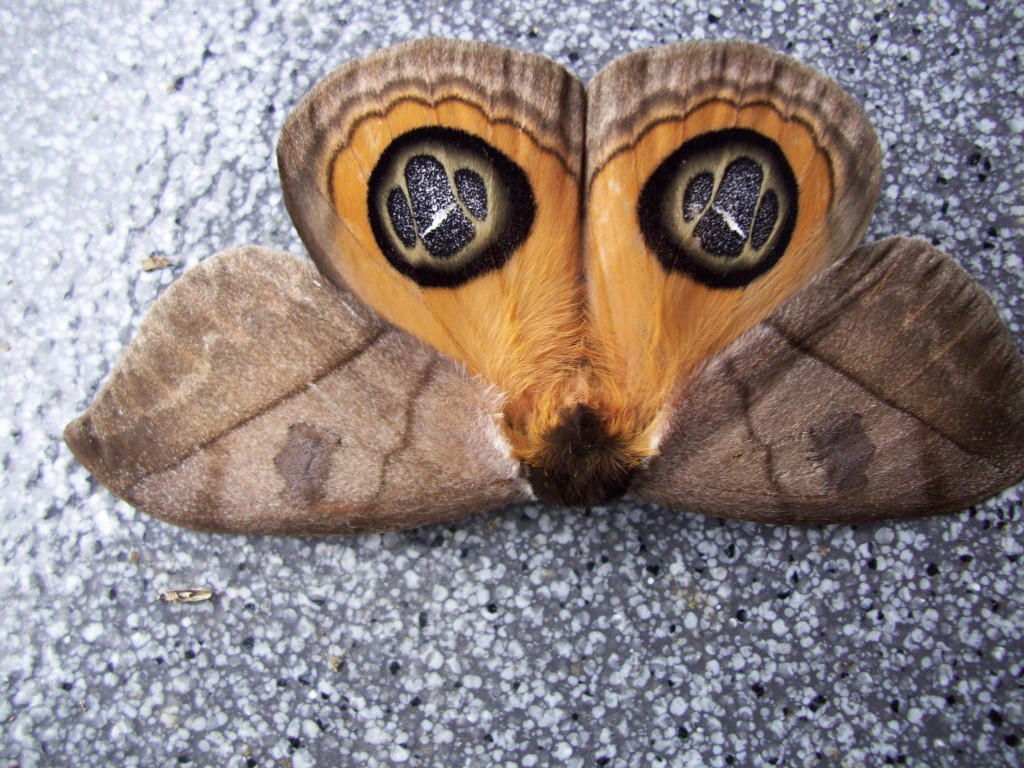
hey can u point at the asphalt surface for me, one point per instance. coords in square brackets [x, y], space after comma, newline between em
[626, 635]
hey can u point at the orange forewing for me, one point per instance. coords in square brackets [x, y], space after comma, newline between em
[651, 327]
[516, 327]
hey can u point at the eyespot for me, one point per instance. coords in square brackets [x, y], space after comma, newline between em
[721, 208]
[446, 206]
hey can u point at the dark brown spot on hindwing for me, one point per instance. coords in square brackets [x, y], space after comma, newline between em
[843, 449]
[304, 463]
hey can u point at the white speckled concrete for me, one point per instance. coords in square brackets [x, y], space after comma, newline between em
[628, 636]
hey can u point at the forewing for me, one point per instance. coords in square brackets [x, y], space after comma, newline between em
[258, 398]
[889, 387]
[720, 178]
[439, 181]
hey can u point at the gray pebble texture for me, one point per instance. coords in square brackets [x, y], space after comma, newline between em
[626, 635]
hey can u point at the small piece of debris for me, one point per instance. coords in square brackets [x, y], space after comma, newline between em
[335, 662]
[186, 595]
[154, 263]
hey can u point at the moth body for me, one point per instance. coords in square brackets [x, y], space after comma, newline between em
[581, 463]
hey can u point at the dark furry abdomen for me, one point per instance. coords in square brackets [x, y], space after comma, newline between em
[582, 464]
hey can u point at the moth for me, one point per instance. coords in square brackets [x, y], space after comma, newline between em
[525, 288]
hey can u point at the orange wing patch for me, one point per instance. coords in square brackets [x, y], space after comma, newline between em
[502, 313]
[737, 186]
[446, 195]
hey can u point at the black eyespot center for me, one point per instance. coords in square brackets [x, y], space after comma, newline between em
[472, 192]
[764, 222]
[697, 195]
[401, 217]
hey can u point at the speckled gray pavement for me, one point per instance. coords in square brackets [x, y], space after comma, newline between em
[628, 635]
